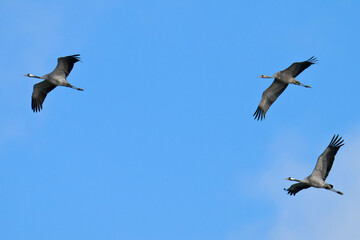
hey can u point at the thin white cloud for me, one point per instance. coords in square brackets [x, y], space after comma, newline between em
[318, 213]
[312, 213]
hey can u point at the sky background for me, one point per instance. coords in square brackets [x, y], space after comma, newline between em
[162, 143]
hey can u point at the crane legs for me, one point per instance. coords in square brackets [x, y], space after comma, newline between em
[300, 84]
[71, 86]
[336, 191]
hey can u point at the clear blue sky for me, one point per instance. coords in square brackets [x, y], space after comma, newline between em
[162, 143]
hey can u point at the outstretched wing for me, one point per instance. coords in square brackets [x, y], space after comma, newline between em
[269, 96]
[326, 159]
[295, 188]
[296, 68]
[40, 91]
[65, 65]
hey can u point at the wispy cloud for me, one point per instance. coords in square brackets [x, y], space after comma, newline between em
[312, 213]
[316, 213]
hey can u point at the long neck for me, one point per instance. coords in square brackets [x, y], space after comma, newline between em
[264, 76]
[33, 76]
[295, 180]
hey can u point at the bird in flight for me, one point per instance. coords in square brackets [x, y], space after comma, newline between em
[52, 80]
[282, 80]
[322, 169]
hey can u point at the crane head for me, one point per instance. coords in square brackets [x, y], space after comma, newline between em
[262, 76]
[28, 75]
[289, 178]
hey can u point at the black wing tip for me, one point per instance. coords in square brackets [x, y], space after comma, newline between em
[291, 193]
[312, 60]
[75, 57]
[259, 114]
[36, 106]
[336, 141]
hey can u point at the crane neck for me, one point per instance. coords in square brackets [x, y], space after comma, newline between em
[32, 76]
[268, 76]
[264, 76]
[294, 180]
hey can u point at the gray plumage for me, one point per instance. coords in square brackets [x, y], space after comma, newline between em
[282, 80]
[323, 166]
[52, 80]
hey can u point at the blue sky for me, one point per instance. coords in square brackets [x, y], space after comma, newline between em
[162, 143]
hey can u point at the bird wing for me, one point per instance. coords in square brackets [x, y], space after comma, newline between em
[326, 159]
[269, 96]
[40, 91]
[296, 68]
[297, 187]
[65, 65]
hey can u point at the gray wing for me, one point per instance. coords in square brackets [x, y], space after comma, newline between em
[269, 96]
[297, 187]
[40, 91]
[326, 159]
[65, 65]
[296, 68]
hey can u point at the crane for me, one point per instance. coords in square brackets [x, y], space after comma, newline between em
[322, 169]
[282, 80]
[52, 80]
